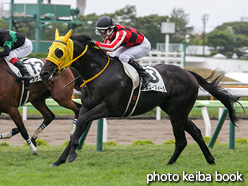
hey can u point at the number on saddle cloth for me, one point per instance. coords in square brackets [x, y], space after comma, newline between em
[157, 84]
[34, 66]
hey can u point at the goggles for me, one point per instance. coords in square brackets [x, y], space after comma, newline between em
[103, 31]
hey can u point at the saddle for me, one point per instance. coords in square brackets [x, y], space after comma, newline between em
[157, 84]
[34, 66]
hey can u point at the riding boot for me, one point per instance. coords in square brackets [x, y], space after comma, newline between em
[23, 70]
[141, 71]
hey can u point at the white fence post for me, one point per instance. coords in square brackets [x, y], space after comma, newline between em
[158, 113]
[206, 121]
[105, 130]
[24, 113]
[221, 109]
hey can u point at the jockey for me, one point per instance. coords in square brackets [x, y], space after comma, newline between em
[15, 46]
[126, 42]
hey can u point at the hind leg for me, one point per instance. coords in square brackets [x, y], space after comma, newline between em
[16, 117]
[195, 132]
[178, 108]
[47, 114]
[181, 142]
[8, 135]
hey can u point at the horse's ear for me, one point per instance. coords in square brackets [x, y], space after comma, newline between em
[56, 34]
[67, 36]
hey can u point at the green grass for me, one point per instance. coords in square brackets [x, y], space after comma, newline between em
[117, 165]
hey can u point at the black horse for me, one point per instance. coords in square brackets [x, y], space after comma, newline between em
[107, 92]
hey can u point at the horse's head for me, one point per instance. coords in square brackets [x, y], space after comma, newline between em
[60, 56]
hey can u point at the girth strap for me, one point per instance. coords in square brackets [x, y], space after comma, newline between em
[133, 101]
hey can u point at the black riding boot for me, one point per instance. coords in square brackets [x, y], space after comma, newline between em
[23, 70]
[141, 71]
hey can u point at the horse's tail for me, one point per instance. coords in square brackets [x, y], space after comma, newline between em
[218, 92]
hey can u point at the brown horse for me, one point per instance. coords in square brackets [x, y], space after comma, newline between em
[10, 96]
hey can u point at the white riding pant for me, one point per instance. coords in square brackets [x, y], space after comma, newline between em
[135, 52]
[20, 52]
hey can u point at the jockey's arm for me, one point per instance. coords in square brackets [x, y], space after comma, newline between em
[120, 36]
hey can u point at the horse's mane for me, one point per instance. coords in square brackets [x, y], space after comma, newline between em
[83, 39]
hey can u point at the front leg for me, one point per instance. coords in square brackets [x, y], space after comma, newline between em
[100, 111]
[85, 117]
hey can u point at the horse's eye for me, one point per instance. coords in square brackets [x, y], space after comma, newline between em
[58, 53]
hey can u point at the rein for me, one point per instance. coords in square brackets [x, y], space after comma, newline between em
[98, 74]
[69, 64]
[61, 62]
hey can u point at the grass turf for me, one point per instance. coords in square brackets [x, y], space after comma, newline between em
[117, 165]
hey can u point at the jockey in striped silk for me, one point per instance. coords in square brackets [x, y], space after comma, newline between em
[125, 42]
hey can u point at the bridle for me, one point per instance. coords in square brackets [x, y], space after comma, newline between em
[60, 64]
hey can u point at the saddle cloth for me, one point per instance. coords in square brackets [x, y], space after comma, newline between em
[157, 84]
[34, 66]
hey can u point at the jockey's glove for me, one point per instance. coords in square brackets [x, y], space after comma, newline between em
[90, 42]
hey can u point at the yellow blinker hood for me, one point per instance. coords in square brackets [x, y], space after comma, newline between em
[65, 44]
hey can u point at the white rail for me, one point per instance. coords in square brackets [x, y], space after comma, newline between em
[172, 58]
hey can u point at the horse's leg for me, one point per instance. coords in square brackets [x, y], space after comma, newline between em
[8, 135]
[181, 142]
[178, 109]
[192, 129]
[74, 106]
[97, 112]
[100, 111]
[64, 155]
[65, 100]
[16, 117]
[47, 114]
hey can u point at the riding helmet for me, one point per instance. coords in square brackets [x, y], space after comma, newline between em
[105, 25]
[105, 22]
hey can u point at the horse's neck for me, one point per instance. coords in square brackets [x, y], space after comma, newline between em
[90, 64]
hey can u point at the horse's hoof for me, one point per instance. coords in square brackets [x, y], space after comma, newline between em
[170, 162]
[54, 165]
[34, 141]
[34, 153]
[212, 162]
[57, 163]
[72, 157]
[15, 131]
